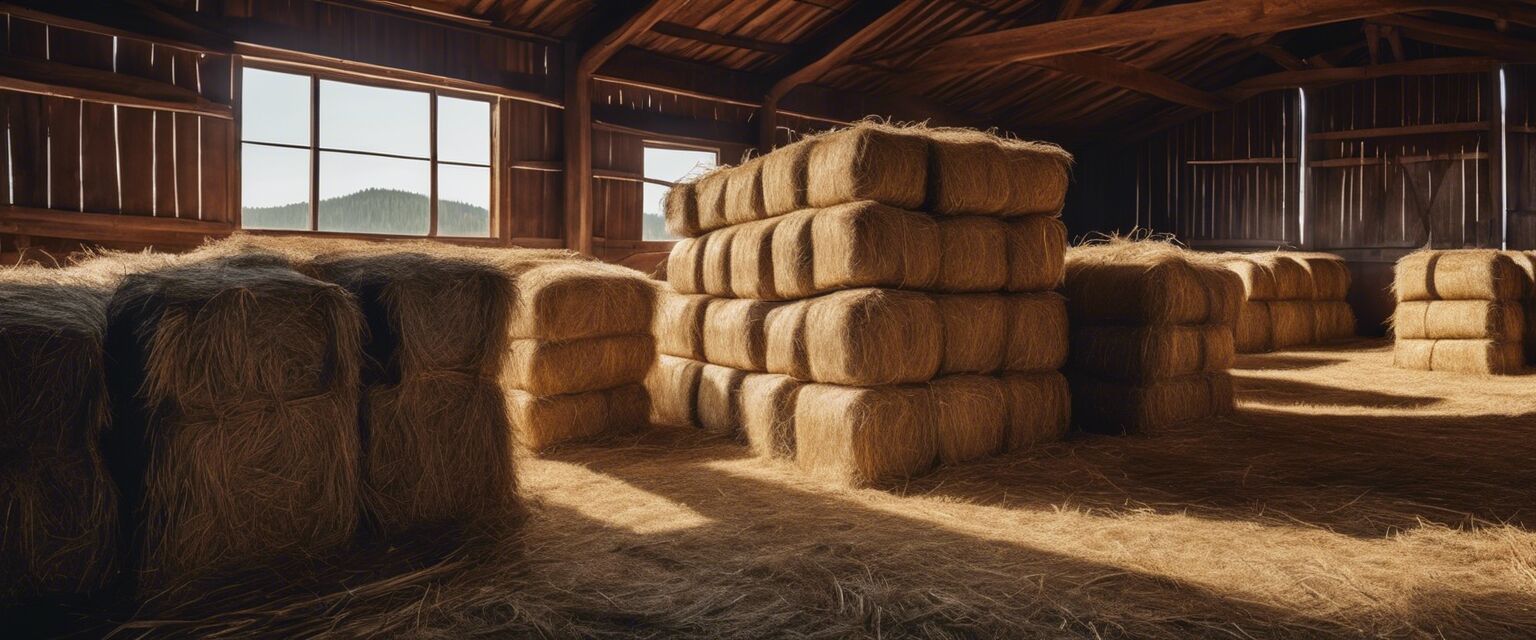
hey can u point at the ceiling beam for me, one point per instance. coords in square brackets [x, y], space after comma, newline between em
[1483, 41]
[725, 40]
[632, 25]
[1196, 19]
[1107, 70]
[1278, 55]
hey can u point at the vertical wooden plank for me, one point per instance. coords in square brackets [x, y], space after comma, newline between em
[163, 152]
[217, 153]
[29, 155]
[98, 158]
[188, 166]
[136, 165]
[62, 120]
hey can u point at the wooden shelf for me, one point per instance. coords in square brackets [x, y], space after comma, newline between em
[1242, 161]
[1400, 132]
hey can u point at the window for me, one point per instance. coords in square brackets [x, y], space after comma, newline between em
[668, 164]
[326, 155]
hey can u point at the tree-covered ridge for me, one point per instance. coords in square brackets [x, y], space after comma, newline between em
[389, 211]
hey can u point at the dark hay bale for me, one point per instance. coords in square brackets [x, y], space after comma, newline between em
[235, 383]
[1115, 408]
[1142, 282]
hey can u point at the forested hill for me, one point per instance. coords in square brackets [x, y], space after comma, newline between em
[374, 211]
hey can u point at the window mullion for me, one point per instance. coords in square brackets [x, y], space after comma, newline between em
[432, 154]
[314, 153]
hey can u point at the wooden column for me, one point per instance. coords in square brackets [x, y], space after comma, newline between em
[577, 122]
[1497, 156]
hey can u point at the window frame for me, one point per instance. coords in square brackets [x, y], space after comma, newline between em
[671, 145]
[315, 74]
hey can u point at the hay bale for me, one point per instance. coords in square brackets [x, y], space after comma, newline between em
[544, 421]
[1039, 173]
[976, 172]
[1292, 323]
[553, 367]
[1147, 282]
[716, 267]
[1329, 274]
[863, 435]
[1101, 406]
[1036, 247]
[1335, 320]
[768, 414]
[971, 250]
[1037, 337]
[977, 328]
[685, 265]
[1502, 321]
[859, 337]
[236, 392]
[1292, 279]
[1254, 331]
[710, 193]
[1039, 409]
[58, 505]
[869, 245]
[569, 300]
[679, 325]
[1257, 276]
[969, 417]
[744, 193]
[439, 452]
[734, 335]
[1463, 356]
[718, 403]
[681, 209]
[751, 256]
[784, 178]
[867, 162]
[1463, 274]
[673, 385]
[794, 272]
[1146, 354]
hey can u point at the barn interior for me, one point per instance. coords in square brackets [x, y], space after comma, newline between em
[748, 318]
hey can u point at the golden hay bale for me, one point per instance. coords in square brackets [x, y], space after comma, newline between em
[553, 367]
[971, 250]
[1254, 330]
[751, 256]
[682, 210]
[1037, 335]
[1463, 274]
[679, 325]
[1147, 282]
[734, 335]
[768, 413]
[744, 193]
[863, 435]
[794, 273]
[784, 178]
[1292, 323]
[977, 328]
[860, 337]
[685, 265]
[1037, 247]
[969, 415]
[1292, 280]
[439, 451]
[1329, 274]
[869, 245]
[1258, 276]
[716, 268]
[975, 172]
[544, 421]
[236, 392]
[1502, 321]
[568, 299]
[1143, 354]
[1464, 356]
[673, 385]
[1100, 406]
[58, 505]
[1039, 409]
[710, 193]
[718, 403]
[867, 162]
[1039, 173]
[1335, 320]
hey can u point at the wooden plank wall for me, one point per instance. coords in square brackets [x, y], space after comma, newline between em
[73, 155]
[1520, 82]
[1402, 189]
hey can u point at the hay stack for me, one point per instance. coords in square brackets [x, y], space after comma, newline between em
[1152, 334]
[1290, 299]
[235, 386]
[58, 505]
[870, 301]
[1462, 310]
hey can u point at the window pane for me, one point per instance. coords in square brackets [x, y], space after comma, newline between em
[463, 130]
[671, 165]
[363, 118]
[463, 201]
[369, 194]
[274, 107]
[274, 187]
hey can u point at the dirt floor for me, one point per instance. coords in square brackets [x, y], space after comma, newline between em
[1346, 498]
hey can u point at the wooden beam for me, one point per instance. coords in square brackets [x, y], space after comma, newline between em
[1335, 75]
[577, 120]
[1483, 41]
[107, 227]
[1277, 54]
[1107, 70]
[1400, 132]
[725, 40]
[94, 85]
[831, 47]
[1236, 18]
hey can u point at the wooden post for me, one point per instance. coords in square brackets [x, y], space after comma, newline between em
[1497, 160]
[577, 120]
[767, 124]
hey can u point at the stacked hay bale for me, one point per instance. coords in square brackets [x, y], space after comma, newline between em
[1461, 310]
[1290, 299]
[1152, 335]
[235, 388]
[818, 315]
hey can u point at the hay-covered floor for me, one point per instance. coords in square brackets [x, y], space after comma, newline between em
[1346, 498]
